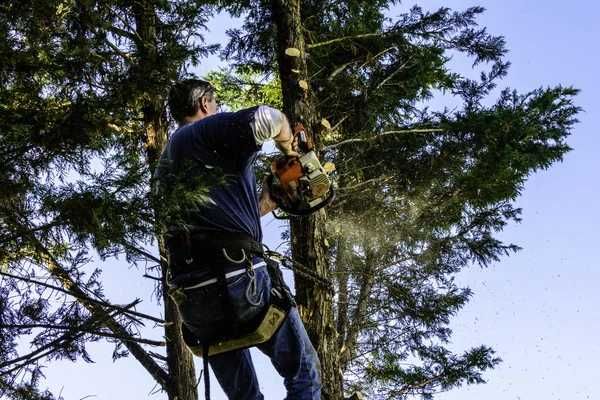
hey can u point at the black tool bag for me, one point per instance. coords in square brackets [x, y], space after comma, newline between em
[192, 255]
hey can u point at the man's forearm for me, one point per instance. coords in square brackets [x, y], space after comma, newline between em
[285, 139]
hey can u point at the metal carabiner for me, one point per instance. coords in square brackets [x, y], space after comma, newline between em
[252, 292]
[231, 259]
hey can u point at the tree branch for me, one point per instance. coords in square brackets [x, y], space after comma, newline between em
[390, 76]
[85, 330]
[344, 38]
[367, 182]
[50, 347]
[141, 252]
[155, 370]
[86, 298]
[342, 280]
[367, 280]
[380, 135]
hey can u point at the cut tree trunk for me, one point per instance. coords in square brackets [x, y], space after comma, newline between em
[307, 233]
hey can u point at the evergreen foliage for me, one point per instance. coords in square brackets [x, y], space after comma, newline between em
[422, 193]
[76, 158]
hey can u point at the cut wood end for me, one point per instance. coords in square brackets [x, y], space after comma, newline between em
[303, 84]
[292, 52]
[326, 124]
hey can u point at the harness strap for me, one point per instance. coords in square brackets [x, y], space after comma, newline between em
[219, 271]
[174, 283]
[206, 372]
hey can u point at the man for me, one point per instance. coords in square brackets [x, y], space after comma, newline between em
[210, 242]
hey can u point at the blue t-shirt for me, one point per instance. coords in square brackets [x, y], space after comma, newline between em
[222, 142]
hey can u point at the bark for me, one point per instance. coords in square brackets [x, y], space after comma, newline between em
[307, 233]
[180, 360]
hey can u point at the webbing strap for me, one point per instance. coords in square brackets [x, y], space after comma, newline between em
[206, 375]
[219, 271]
[231, 274]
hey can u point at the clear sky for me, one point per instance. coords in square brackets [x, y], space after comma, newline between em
[539, 308]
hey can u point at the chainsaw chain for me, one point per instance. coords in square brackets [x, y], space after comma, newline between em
[303, 271]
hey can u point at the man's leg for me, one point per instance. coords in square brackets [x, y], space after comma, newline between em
[295, 358]
[235, 372]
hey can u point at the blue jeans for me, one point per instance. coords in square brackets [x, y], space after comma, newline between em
[290, 349]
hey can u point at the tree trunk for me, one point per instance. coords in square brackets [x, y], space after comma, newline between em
[307, 233]
[180, 360]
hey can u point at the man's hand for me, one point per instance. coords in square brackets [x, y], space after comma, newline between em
[285, 140]
[265, 202]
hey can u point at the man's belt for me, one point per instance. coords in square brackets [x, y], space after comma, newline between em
[186, 248]
[208, 240]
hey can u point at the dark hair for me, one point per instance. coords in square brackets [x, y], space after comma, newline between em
[185, 97]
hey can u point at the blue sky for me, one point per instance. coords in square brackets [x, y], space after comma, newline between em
[539, 308]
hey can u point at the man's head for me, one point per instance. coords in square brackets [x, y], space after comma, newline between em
[191, 100]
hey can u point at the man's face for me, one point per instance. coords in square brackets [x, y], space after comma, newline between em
[212, 107]
[209, 106]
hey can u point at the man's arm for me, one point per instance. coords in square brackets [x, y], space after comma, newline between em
[270, 123]
[285, 139]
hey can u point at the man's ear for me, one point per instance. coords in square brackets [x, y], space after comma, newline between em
[204, 104]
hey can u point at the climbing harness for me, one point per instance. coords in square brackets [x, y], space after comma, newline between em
[210, 247]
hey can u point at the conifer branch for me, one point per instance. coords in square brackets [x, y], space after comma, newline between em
[380, 135]
[86, 298]
[141, 252]
[390, 76]
[84, 330]
[344, 38]
[123, 33]
[367, 279]
[50, 347]
[364, 183]
[98, 312]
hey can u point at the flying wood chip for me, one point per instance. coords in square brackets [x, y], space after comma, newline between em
[292, 52]
[326, 124]
[329, 167]
[303, 84]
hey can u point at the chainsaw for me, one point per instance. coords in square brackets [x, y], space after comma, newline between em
[300, 185]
